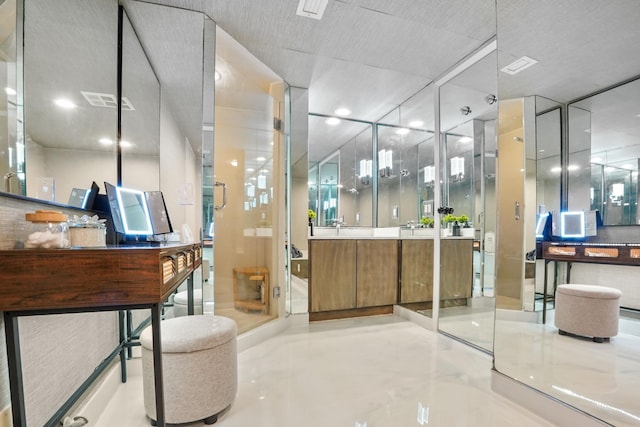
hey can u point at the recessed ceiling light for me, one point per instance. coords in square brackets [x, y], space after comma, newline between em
[10, 91]
[573, 167]
[540, 151]
[465, 139]
[250, 169]
[402, 131]
[596, 160]
[105, 141]
[415, 123]
[234, 163]
[216, 75]
[265, 171]
[271, 142]
[64, 103]
[125, 144]
[253, 178]
[332, 121]
[260, 159]
[587, 130]
[519, 65]
[627, 166]
[342, 112]
[556, 169]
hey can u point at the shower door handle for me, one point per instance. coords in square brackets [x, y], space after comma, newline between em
[224, 194]
[517, 211]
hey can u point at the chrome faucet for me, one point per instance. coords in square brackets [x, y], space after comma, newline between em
[412, 226]
[338, 222]
[7, 181]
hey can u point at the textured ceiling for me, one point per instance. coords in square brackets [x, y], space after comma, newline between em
[368, 55]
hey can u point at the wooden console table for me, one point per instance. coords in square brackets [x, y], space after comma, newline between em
[586, 252]
[55, 281]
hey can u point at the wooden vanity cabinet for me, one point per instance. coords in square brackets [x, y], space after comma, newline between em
[416, 271]
[456, 268]
[332, 278]
[377, 273]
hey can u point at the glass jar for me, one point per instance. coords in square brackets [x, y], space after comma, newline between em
[49, 229]
[92, 235]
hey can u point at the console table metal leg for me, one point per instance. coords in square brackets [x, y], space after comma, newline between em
[544, 294]
[15, 370]
[156, 316]
[124, 340]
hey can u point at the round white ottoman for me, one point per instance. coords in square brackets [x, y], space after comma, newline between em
[180, 306]
[199, 365]
[587, 310]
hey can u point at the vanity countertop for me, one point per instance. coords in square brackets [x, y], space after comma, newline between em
[368, 233]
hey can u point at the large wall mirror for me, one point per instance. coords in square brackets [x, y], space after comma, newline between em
[468, 105]
[71, 102]
[604, 143]
[340, 176]
[70, 114]
[568, 115]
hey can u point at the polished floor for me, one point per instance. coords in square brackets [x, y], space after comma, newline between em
[600, 379]
[377, 371]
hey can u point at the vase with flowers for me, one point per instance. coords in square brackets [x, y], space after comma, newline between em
[312, 216]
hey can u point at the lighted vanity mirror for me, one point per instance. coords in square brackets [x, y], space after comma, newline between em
[604, 142]
[340, 171]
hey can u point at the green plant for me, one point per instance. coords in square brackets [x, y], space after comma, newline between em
[463, 220]
[311, 214]
[449, 218]
[427, 222]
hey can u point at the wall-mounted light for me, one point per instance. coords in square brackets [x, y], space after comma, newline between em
[365, 172]
[466, 110]
[385, 163]
[457, 168]
[429, 175]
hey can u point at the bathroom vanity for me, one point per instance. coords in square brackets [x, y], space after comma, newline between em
[359, 274]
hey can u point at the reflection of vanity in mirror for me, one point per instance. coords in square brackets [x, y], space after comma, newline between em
[570, 147]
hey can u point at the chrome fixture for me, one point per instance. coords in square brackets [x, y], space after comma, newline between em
[490, 99]
[7, 181]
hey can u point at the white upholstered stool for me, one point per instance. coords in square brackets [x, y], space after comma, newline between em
[180, 306]
[199, 365]
[587, 310]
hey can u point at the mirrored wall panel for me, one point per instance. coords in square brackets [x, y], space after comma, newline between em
[469, 111]
[605, 147]
[577, 105]
[341, 168]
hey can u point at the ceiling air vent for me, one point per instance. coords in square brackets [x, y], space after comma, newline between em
[312, 8]
[519, 65]
[106, 100]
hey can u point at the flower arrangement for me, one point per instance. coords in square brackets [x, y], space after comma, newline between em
[426, 222]
[449, 219]
[311, 214]
[464, 221]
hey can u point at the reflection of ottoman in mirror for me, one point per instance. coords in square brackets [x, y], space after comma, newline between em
[180, 303]
[199, 365]
[587, 310]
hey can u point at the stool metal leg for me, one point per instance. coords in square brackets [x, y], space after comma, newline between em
[156, 313]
